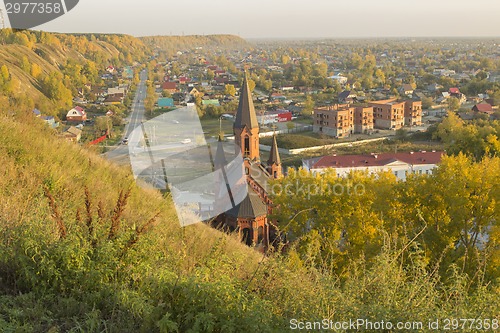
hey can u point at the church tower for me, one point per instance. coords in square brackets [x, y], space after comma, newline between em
[274, 167]
[246, 127]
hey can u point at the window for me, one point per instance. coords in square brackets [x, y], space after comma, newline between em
[247, 146]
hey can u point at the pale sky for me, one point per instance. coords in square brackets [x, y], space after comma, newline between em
[284, 18]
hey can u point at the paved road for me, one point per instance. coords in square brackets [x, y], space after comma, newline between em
[120, 153]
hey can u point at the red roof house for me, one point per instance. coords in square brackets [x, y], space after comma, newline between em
[76, 114]
[483, 107]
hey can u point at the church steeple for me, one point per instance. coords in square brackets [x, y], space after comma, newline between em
[246, 117]
[246, 127]
[274, 162]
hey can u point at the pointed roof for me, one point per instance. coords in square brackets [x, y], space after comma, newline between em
[245, 116]
[274, 156]
[251, 207]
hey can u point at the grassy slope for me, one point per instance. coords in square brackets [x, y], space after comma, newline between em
[109, 281]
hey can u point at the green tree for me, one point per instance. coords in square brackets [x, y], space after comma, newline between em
[210, 75]
[230, 90]
[251, 85]
[308, 106]
[25, 64]
[427, 102]
[453, 104]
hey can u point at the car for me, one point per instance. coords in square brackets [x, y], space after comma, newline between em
[125, 141]
[175, 121]
[186, 141]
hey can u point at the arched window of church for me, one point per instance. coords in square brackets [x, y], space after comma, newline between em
[247, 146]
[260, 234]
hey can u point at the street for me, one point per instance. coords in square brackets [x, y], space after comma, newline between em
[120, 154]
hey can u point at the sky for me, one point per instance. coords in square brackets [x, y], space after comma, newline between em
[284, 18]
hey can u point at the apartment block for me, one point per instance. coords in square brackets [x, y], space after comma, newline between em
[363, 119]
[413, 113]
[342, 120]
[388, 114]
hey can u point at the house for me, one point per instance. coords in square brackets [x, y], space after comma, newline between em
[169, 86]
[210, 102]
[128, 73]
[113, 100]
[346, 96]
[76, 114]
[72, 134]
[401, 164]
[183, 80]
[277, 97]
[406, 89]
[339, 78]
[50, 121]
[434, 87]
[165, 102]
[221, 80]
[194, 92]
[483, 108]
[110, 69]
[117, 90]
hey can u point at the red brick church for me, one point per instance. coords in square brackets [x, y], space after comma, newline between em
[250, 217]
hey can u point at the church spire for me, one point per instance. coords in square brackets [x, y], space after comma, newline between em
[245, 116]
[274, 161]
[246, 127]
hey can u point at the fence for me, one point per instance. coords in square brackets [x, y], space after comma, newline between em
[341, 144]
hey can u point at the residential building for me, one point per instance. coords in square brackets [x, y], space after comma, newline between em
[413, 113]
[171, 87]
[363, 119]
[165, 102]
[406, 89]
[347, 96]
[76, 114]
[342, 120]
[388, 114]
[483, 108]
[401, 164]
[339, 78]
[72, 134]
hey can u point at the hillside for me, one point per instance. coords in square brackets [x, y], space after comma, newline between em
[30, 58]
[172, 44]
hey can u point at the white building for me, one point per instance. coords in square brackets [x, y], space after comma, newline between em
[401, 164]
[339, 78]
